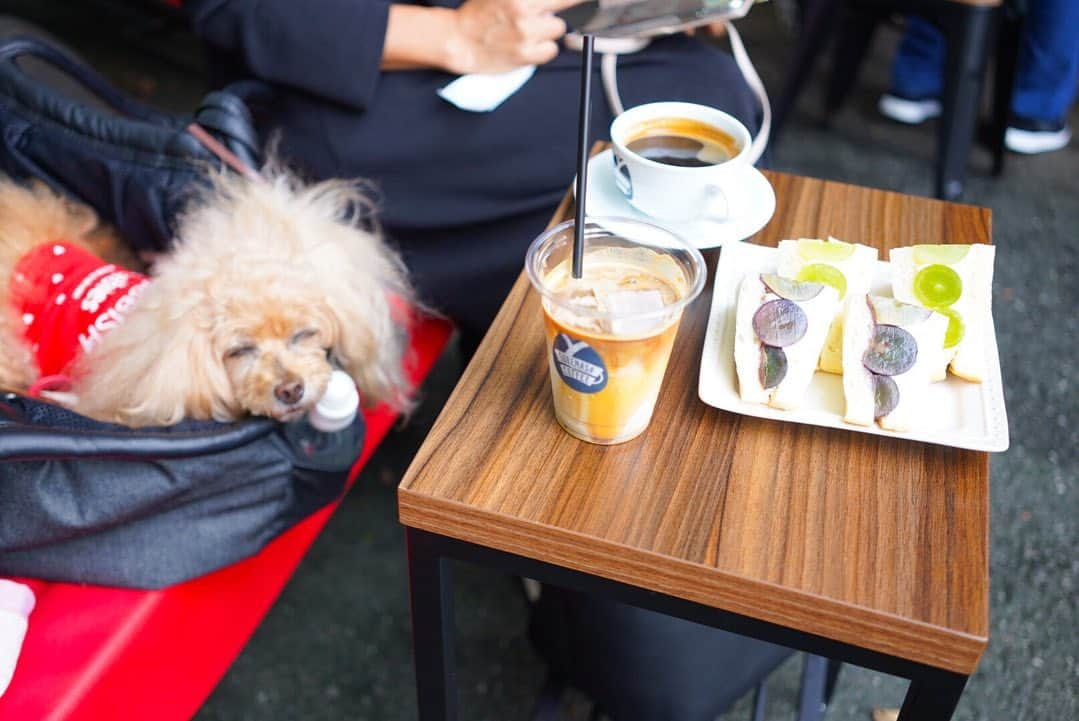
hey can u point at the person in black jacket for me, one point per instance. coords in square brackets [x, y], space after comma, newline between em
[462, 193]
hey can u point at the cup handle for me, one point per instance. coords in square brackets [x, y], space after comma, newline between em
[724, 205]
[717, 204]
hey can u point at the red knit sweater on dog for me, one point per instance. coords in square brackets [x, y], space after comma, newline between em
[68, 299]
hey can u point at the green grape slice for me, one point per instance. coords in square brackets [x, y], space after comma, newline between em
[823, 273]
[946, 254]
[937, 286]
[815, 249]
[956, 327]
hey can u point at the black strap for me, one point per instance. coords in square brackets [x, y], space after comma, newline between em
[12, 48]
[226, 116]
[223, 112]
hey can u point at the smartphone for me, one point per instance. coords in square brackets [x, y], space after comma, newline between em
[637, 18]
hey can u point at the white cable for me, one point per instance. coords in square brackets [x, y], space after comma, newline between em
[753, 80]
[609, 50]
[608, 69]
[609, 75]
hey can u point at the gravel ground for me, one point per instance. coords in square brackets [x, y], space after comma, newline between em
[337, 646]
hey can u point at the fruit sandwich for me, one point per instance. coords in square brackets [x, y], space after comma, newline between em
[847, 267]
[780, 327]
[886, 366]
[955, 281]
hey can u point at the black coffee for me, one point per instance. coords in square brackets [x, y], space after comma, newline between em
[682, 142]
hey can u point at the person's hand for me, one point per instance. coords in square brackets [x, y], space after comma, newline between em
[712, 30]
[494, 36]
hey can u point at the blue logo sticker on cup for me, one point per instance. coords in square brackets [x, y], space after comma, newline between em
[578, 364]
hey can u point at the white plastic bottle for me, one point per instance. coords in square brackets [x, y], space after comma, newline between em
[326, 438]
[16, 603]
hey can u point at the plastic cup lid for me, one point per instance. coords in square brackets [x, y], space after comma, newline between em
[338, 405]
[16, 598]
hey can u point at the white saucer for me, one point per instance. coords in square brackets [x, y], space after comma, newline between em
[604, 198]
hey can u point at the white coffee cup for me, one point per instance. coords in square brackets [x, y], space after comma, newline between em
[678, 193]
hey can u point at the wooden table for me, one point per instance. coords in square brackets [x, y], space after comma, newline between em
[854, 546]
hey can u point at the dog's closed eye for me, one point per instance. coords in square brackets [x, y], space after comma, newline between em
[303, 335]
[240, 351]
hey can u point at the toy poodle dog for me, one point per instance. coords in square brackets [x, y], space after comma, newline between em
[269, 286]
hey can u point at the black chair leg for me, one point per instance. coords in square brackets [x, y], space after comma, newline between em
[968, 29]
[550, 699]
[1009, 31]
[814, 682]
[760, 698]
[853, 37]
[831, 678]
[816, 29]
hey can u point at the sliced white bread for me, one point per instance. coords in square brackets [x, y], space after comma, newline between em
[860, 383]
[801, 356]
[973, 308]
[853, 261]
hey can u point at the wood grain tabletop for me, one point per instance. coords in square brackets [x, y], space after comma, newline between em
[872, 541]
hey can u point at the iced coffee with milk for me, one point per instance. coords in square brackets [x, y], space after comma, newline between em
[610, 332]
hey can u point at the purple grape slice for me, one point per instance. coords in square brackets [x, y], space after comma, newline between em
[791, 289]
[885, 396]
[773, 366]
[780, 323]
[891, 352]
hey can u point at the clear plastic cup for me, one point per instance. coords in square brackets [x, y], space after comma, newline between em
[610, 333]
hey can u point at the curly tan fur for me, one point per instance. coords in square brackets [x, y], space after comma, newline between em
[268, 285]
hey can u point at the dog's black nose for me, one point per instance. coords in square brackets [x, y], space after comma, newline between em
[289, 392]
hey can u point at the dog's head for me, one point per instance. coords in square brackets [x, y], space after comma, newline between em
[270, 286]
[276, 349]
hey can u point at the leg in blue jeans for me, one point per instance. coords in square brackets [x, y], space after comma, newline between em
[1048, 60]
[918, 66]
[1048, 66]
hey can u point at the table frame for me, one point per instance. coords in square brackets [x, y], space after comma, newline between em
[437, 525]
[932, 696]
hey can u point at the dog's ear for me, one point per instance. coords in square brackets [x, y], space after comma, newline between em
[158, 367]
[369, 343]
[365, 287]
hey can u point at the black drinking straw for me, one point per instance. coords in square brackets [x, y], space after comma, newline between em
[582, 155]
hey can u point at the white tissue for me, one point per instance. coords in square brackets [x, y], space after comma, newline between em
[483, 92]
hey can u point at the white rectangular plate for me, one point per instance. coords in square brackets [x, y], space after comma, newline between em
[958, 413]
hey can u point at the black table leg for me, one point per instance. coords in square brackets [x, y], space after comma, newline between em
[933, 697]
[430, 587]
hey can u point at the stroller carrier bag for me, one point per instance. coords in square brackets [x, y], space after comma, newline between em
[134, 165]
[83, 501]
[91, 502]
